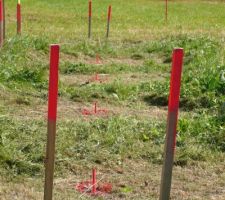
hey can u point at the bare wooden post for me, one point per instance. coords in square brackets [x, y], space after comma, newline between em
[52, 112]
[89, 18]
[3, 19]
[1, 24]
[173, 106]
[108, 20]
[166, 11]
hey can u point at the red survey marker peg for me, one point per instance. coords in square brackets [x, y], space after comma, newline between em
[101, 78]
[18, 17]
[173, 106]
[94, 111]
[93, 187]
[98, 60]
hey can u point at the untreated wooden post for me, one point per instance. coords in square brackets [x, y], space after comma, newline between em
[108, 20]
[89, 18]
[3, 19]
[52, 112]
[170, 143]
[1, 23]
[166, 10]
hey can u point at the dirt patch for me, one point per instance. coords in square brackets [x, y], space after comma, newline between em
[131, 179]
[100, 60]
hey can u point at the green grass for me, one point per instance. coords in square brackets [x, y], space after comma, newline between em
[137, 59]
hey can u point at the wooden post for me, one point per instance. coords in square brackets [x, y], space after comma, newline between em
[3, 19]
[52, 113]
[166, 10]
[170, 144]
[19, 20]
[108, 20]
[1, 24]
[89, 18]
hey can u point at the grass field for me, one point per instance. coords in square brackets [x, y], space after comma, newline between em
[126, 146]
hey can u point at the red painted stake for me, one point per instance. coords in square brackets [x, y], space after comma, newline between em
[93, 181]
[89, 18]
[108, 20]
[96, 77]
[1, 23]
[18, 17]
[98, 61]
[52, 114]
[173, 106]
[95, 108]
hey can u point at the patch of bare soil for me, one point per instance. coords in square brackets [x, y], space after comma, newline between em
[99, 60]
[130, 180]
[128, 78]
[69, 110]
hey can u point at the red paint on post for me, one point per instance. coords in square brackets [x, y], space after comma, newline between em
[109, 12]
[90, 9]
[94, 181]
[19, 18]
[171, 132]
[1, 11]
[53, 82]
[175, 83]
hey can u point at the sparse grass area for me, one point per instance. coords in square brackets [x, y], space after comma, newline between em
[127, 145]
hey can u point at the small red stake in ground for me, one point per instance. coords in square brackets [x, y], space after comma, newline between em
[1, 23]
[95, 111]
[89, 18]
[52, 112]
[93, 187]
[93, 181]
[97, 76]
[98, 60]
[19, 20]
[108, 20]
[170, 144]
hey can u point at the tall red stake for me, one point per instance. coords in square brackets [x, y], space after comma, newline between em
[18, 17]
[1, 23]
[89, 18]
[52, 112]
[170, 144]
[108, 20]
